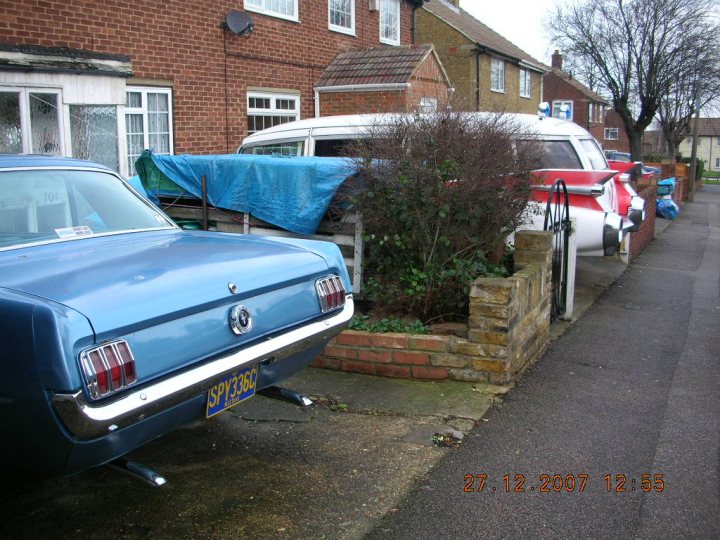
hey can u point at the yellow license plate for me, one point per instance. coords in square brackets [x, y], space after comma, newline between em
[233, 389]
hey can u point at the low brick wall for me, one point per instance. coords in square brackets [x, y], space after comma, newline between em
[639, 240]
[507, 330]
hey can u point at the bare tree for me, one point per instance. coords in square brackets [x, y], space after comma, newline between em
[639, 47]
[696, 87]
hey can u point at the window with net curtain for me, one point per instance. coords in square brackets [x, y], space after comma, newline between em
[390, 22]
[148, 122]
[341, 16]
[497, 75]
[284, 8]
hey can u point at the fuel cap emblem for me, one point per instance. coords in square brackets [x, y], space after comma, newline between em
[241, 321]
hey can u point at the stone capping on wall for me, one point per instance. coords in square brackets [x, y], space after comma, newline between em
[507, 330]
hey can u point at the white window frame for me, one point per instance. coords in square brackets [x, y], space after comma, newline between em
[143, 110]
[525, 83]
[25, 123]
[556, 106]
[608, 135]
[273, 110]
[265, 7]
[342, 29]
[428, 105]
[717, 162]
[497, 74]
[717, 141]
[385, 6]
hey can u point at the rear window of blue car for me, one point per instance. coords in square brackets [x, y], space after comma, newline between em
[40, 205]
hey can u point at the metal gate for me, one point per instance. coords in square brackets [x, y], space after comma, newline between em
[557, 220]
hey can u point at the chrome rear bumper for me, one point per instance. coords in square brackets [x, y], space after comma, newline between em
[88, 421]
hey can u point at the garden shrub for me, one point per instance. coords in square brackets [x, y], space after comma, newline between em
[438, 194]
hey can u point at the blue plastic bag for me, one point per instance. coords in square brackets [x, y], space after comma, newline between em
[666, 187]
[666, 208]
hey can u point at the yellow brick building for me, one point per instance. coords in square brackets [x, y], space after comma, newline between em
[488, 72]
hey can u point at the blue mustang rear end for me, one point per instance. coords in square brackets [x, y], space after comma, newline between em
[118, 326]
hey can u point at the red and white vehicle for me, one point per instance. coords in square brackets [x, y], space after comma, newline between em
[604, 208]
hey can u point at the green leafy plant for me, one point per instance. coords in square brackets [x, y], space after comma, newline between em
[339, 407]
[387, 324]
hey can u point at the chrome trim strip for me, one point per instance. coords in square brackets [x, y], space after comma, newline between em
[595, 190]
[88, 421]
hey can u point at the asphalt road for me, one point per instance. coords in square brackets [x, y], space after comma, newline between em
[631, 389]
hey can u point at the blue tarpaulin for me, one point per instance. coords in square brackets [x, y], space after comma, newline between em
[292, 193]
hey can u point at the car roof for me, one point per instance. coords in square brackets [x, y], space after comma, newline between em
[532, 122]
[8, 161]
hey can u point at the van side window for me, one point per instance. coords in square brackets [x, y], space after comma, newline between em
[559, 155]
[286, 149]
[333, 147]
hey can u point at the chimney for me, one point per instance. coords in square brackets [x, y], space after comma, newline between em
[556, 60]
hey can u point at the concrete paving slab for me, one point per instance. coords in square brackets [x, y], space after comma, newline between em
[444, 399]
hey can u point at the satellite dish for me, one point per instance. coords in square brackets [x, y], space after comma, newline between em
[239, 22]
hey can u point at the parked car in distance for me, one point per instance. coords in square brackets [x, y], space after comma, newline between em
[567, 149]
[616, 155]
[118, 326]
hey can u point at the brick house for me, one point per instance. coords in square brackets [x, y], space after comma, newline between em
[569, 98]
[488, 72]
[105, 80]
[613, 133]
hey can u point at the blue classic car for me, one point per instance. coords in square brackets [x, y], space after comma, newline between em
[117, 326]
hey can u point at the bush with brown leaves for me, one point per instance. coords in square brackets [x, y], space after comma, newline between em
[438, 194]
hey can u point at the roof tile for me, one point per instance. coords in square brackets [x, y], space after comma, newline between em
[383, 65]
[480, 33]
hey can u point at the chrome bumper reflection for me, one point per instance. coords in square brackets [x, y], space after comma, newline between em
[88, 421]
[636, 214]
[612, 233]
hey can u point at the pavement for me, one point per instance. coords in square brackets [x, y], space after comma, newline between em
[615, 431]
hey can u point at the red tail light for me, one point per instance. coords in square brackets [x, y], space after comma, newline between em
[108, 368]
[331, 293]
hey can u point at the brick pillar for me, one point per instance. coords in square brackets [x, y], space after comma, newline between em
[510, 318]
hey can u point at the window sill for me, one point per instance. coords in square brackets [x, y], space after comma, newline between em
[341, 30]
[390, 42]
[289, 18]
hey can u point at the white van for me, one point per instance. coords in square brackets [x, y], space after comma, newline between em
[566, 147]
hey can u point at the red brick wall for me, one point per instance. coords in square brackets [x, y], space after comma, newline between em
[334, 103]
[429, 81]
[183, 42]
[507, 330]
[641, 239]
